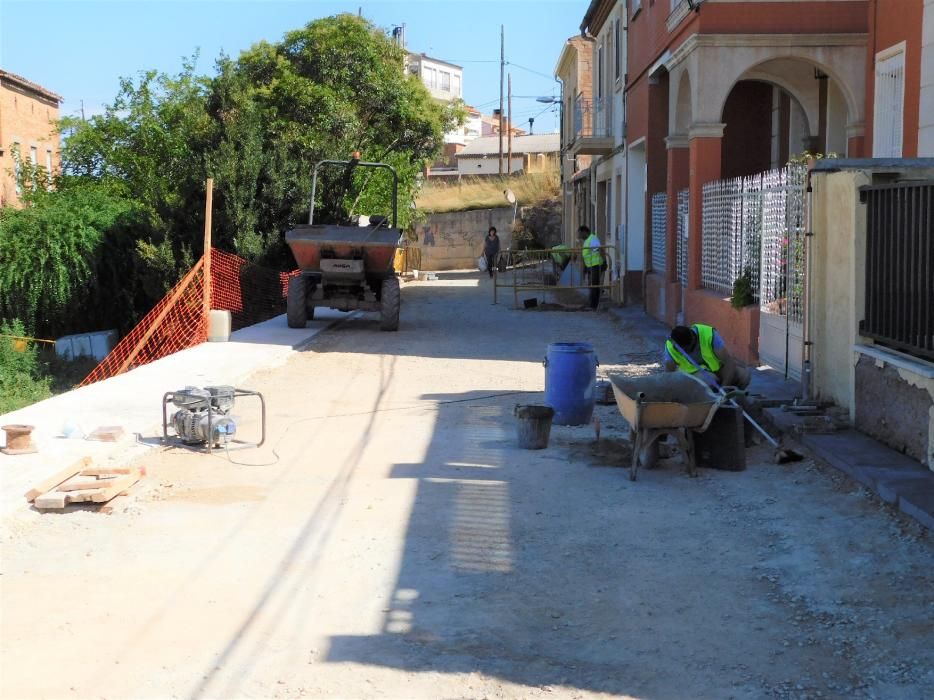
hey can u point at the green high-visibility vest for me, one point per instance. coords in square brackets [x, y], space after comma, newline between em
[559, 253]
[710, 360]
[592, 256]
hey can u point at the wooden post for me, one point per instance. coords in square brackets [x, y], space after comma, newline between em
[206, 272]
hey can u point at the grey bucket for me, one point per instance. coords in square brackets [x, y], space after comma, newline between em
[534, 425]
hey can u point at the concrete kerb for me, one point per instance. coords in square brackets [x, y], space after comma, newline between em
[134, 401]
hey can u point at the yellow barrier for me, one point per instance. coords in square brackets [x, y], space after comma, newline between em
[21, 342]
[538, 271]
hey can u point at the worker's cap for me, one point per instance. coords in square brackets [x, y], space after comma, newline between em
[683, 336]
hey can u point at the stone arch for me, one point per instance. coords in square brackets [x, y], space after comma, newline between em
[717, 63]
[682, 105]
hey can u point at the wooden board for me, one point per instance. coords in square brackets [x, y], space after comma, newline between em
[87, 490]
[107, 433]
[118, 486]
[106, 471]
[79, 484]
[53, 481]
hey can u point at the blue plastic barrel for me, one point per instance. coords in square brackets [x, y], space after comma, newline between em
[570, 376]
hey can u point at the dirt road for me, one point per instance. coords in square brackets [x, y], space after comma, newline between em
[391, 541]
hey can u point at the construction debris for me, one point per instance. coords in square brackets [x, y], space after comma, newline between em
[83, 483]
[107, 433]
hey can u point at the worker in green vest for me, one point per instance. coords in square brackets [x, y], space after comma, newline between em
[560, 257]
[594, 263]
[700, 350]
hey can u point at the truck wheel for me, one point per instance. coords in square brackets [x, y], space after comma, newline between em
[296, 311]
[389, 309]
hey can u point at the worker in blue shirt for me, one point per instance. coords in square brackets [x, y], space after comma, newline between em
[700, 350]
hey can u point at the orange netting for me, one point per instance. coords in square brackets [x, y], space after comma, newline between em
[251, 293]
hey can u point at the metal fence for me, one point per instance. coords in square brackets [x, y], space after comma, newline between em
[684, 199]
[900, 266]
[659, 231]
[753, 227]
[781, 280]
[559, 275]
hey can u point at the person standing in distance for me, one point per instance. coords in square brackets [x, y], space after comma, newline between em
[491, 249]
[594, 264]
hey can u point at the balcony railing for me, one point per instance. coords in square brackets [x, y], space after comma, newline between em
[591, 119]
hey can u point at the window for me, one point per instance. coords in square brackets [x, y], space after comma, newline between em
[17, 170]
[617, 51]
[457, 85]
[48, 164]
[600, 72]
[445, 81]
[889, 106]
[34, 155]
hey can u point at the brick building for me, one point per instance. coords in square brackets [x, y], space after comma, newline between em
[28, 113]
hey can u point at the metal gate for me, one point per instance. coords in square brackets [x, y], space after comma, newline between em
[781, 275]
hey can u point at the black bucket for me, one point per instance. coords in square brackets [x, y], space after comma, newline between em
[534, 426]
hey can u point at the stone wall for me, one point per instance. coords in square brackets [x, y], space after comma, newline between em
[540, 227]
[896, 406]
[454, 241]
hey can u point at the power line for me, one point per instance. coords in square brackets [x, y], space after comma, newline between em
[550, 77]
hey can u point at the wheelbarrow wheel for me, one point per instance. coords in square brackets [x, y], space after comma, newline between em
[296, 304]
[390, 300]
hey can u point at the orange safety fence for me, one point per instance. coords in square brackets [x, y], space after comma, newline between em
[251, 293]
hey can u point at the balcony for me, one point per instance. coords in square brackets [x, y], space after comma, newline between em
[591, 134]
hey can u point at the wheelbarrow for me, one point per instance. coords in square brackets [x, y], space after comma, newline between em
[664, 404]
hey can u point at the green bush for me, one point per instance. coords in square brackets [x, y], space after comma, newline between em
[21, 378]
[744, 291]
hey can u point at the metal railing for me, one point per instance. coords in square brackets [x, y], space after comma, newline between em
[781, 277]
[524, 271]
[590, 119]
[684, 201]
[754, 226]
[899, 309]
[659, 231]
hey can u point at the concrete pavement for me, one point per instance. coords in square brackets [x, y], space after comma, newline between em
[133, 400]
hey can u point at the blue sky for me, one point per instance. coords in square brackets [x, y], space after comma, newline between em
[80, 48]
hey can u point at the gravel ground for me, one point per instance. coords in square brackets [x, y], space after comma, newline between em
[391, 541]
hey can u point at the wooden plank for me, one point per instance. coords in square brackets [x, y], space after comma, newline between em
[53, 481]
[85, 484]
[107, 433]
[85, 496]
[118, 486]
[53, 500]
[106, 471]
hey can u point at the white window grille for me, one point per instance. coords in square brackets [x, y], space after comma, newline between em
[34, 155]
[754, 226]
[889, 105]
[445, 81]
[659, 230]
[684, 199]
[457, 85]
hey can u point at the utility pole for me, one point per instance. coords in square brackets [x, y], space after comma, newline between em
[502, 69]
[509, 126]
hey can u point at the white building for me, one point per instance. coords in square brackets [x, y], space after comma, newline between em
[444, 80]
[529, 154]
